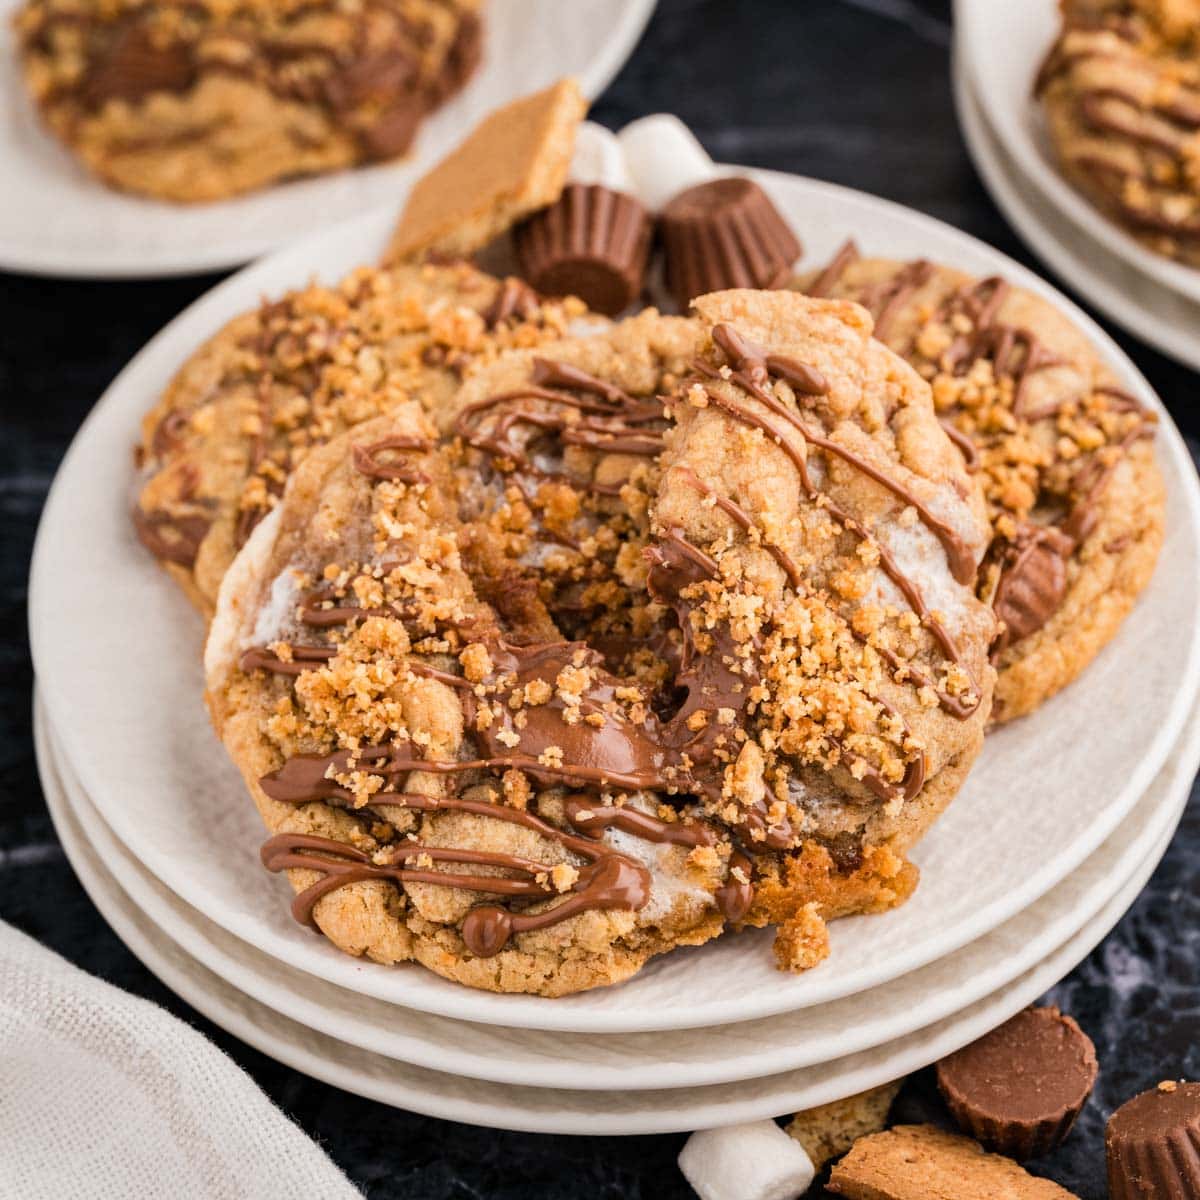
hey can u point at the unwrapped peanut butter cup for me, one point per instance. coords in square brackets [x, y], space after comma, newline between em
[1153, 1145]
[1019, 1088]
[591, 243]
[725, 233]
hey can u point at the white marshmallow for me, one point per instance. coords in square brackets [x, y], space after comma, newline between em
[757, 1161]
[599, 158]
[664, 158]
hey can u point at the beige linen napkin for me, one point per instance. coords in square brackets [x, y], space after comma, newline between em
[107, 1096]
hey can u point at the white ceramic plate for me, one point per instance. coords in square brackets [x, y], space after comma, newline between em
[55, 219]
[1160, 317]
[545, 1110]
[1000, 47]
[637, 1061]
[117, 651]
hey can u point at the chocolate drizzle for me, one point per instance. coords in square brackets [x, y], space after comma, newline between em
[752, 371]
[736, 896]
[601, 747]
[383, 459]
[886, 299]
[515, 298]
[1032, 581]
[608, 880]
[376, 91]
[303, 658]
[552, 711]
[1161, 125]
[174, 538]
[1092, 480]
[742, 518]
[753, 368]
[519, 437]
[966, 447]
[848, 254]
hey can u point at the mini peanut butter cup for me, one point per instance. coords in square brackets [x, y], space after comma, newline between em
[591, 243]
[1152, 1144]
[1019, 1088]
[725, 233]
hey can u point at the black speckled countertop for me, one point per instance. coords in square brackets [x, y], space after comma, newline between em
[854, 91]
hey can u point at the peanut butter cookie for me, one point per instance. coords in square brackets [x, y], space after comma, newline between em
[672, 629]
[200, 101]
[248, 406]
[1066, 458]
[1121, 93]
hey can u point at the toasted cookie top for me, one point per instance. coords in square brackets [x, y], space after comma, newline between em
[664, 610]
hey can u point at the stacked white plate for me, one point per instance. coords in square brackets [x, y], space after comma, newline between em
[998, 49]
[1057, 829]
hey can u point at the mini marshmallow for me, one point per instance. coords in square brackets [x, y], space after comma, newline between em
[599, 158]
[757, 1161]
[664, 158]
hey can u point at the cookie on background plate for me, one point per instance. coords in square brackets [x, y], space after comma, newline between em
[1121, 93]
[274, 383]
[202, 101]
[1065, 456]
[616, 664]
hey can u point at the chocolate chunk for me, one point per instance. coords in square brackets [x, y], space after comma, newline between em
[135, 65]
[1019, 1089]
[391, 133]
[1153, 1145]
[1033, 581]
[514, 299]
[722, 234]
[462, 59]
[591, 243]
[367, 78]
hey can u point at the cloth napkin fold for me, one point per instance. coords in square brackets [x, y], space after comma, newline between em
[107, 1096]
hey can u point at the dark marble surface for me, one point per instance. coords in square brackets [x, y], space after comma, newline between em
[855, 91]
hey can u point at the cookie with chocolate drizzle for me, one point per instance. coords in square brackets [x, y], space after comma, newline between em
[256, 398]
[1065, 456]
[209, 99]
[671, 630]
[1121, 91]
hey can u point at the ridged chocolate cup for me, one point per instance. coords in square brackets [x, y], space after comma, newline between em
[725, 233]
[1019, 1089]
[591, 243]
[1152, 1145]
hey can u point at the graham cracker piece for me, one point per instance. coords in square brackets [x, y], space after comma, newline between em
[829, 1130]
[921, 1162]
[513, 163]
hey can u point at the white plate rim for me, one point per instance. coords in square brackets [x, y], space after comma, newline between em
[1018, 140]
[1083, 274]
[18, 255]
[558, 1111]
[778, 1050]
[211, 310]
